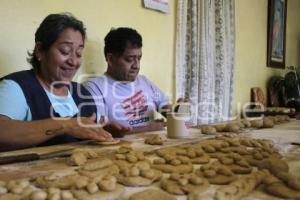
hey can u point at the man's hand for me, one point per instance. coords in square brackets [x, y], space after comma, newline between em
[173, 107]
[156, 125]
[116, 129]
[183, 100]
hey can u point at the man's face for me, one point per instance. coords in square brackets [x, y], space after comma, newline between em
[126, 66]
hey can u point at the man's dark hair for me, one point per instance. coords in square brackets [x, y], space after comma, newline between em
[118, 39]
[49, 31]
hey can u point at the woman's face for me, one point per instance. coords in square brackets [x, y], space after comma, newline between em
[62, 60]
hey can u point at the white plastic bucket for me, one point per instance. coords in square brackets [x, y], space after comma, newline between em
[178, 125]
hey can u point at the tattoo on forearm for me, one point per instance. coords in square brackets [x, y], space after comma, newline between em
[53, 131]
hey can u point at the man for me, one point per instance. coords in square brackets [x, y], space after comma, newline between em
[121, 93]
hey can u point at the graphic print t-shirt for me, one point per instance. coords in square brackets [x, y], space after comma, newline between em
[128, 103]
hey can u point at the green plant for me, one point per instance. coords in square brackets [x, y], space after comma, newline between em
[291, 82]
[276, 91]
[291, 78]
[276, 82]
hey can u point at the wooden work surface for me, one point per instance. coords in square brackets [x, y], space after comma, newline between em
[283, 135]
[41, 167]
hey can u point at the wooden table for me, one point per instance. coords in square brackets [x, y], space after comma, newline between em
[41, 167]
[282, 135]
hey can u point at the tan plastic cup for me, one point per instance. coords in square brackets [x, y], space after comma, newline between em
[178, 125]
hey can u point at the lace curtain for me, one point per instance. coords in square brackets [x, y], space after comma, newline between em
[205, 57]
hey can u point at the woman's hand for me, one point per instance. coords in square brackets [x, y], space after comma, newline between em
[85, 128]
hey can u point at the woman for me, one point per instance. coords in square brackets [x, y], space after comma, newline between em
[36, 105]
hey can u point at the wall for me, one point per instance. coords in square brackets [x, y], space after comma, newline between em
[251, 46]
[19, 20]
[293, 33]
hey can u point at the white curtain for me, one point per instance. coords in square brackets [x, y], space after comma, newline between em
[205, 57]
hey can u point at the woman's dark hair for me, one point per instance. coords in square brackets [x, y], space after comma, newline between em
[118, 39]
[49, 31]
